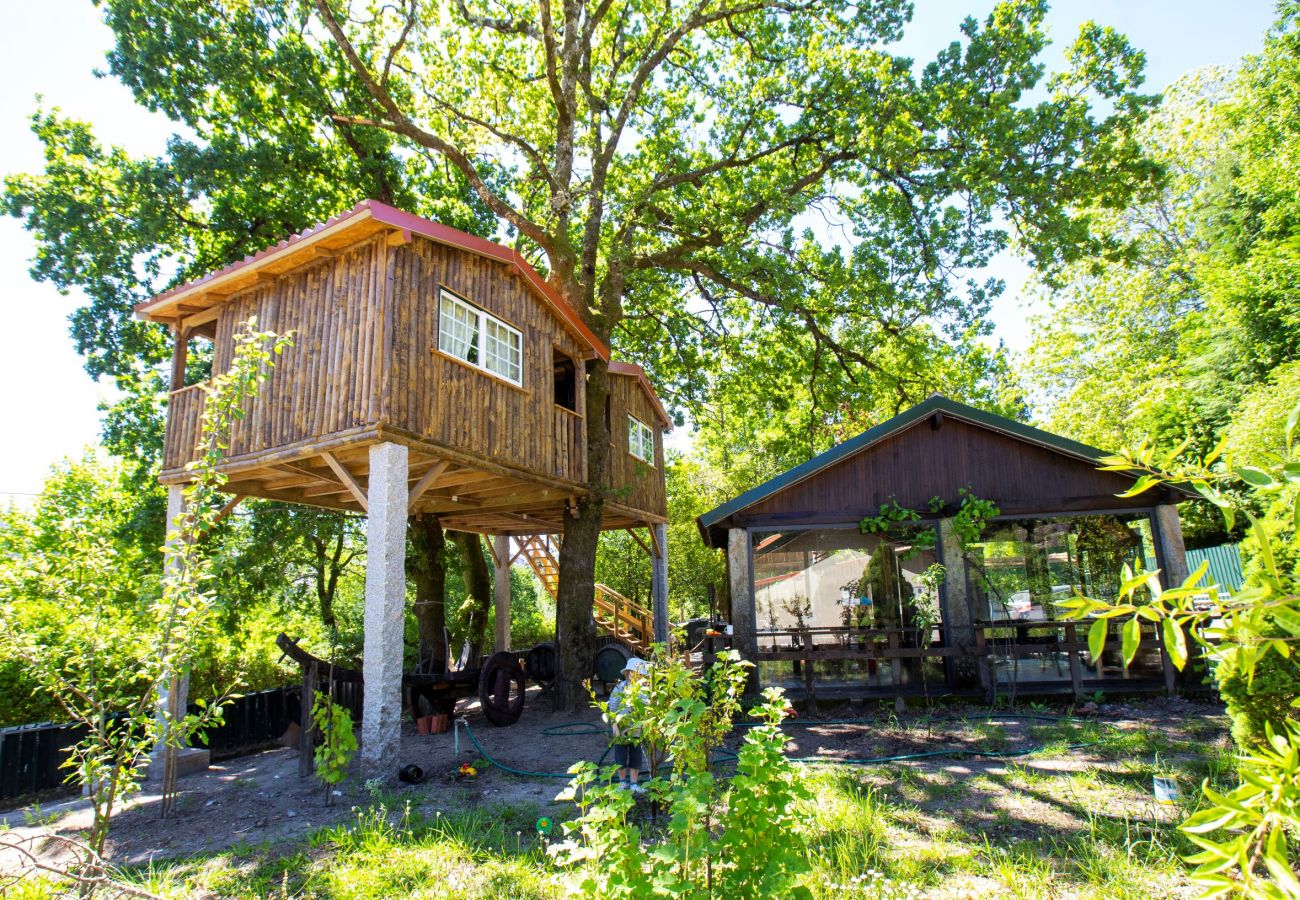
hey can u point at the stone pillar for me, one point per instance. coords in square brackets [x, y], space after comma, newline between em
[958, 618]
[1171, 554]
[659, 582]
[743, 617]
[501, 588]
[171, 564]
[385, 604]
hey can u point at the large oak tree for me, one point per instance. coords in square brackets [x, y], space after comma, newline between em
[709, 183]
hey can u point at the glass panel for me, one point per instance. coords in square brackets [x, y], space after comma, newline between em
[640, 440]
[1020, 571]
[458, 328]
[839, 588]
[503, 350]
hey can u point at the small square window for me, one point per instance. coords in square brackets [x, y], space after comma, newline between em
[640, 440]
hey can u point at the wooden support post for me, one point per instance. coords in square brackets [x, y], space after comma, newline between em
[501, 586]
[809, 675]
[306, 723]
[179, 354]
[348, 481]
[1076, 667]
[659, 582]
[896, 670]
[385, 606]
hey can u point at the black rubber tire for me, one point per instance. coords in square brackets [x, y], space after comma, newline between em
[543, 663]
[501, 688]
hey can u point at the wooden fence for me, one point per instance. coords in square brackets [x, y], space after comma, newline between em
[32, 756]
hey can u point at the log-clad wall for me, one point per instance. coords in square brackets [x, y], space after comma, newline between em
[454, 404]
[365, 355]
[636, 483]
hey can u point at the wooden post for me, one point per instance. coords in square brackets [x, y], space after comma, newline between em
[501, 588]
[809, 675]
[385, 606]
[307, 724]
[179, 353]
[896, 670]
[659, 582]
[1076, 668]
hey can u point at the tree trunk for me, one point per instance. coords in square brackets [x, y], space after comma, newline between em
[479, 584]
[427, 567]
[574, 628]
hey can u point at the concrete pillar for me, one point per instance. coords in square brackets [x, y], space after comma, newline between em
[385, 605]
[958, 618]
[1171, 553]
[1171, 557]
[167, 701]
[743, 616]
[501, 587]
[659, 582]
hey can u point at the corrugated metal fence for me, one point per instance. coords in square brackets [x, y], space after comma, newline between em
[1225, 565]
[31, 756]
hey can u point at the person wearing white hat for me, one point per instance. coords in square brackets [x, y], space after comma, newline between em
[627, 751]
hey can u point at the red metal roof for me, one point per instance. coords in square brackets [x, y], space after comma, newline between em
[632, 370]
[404, 221]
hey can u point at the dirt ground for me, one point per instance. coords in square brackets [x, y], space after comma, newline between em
[260, 799]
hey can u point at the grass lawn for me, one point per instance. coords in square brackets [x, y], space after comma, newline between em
[1056, 823]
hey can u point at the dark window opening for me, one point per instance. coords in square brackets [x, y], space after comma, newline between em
[566, 382]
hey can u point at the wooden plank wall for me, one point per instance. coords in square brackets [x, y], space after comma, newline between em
[923, 462]
[644, 485]
[325, 383]
[452, 403]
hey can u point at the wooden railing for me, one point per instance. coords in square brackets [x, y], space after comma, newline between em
[184, 418]
[570, 448]
[626, 619]
[805, 647]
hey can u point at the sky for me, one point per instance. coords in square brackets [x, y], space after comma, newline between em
[52, 48]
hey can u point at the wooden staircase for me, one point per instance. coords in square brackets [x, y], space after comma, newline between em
[615, 615]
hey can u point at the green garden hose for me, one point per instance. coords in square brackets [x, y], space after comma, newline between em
[728, 756]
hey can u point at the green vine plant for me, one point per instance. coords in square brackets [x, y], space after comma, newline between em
[120, 711]
[339, 744]
[1249, 836]
[736, 838]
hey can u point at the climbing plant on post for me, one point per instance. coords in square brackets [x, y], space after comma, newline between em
[118, 708]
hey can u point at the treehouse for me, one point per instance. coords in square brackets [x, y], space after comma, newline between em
[432, 372]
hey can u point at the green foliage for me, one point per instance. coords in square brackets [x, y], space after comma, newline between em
[738, 839]
[160, 635]
[1247, 836]
[335, 752]
[1260, 698]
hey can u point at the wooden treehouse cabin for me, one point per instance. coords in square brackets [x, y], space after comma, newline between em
[432, 372]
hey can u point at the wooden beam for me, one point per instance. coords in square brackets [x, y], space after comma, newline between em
[346, 477]
[640, 540]
[228, 508]
[427, 479]
[654, 538]
[398, 238]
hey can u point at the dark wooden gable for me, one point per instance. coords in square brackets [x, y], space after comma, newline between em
[936, 457]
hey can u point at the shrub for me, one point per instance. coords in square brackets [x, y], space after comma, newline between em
[1264, 699]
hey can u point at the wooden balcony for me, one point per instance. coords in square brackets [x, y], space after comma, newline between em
[184, 422]
[570, 445]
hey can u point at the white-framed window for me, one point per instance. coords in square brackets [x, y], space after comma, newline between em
[640, 440]
[479, 338]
